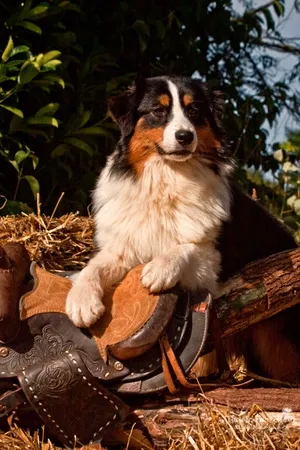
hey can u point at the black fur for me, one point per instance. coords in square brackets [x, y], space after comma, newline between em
[251, 233]
[141, 100]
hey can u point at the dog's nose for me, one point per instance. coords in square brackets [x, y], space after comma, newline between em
[184, 137]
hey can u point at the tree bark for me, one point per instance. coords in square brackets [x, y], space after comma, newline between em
[262, 289]
[172, 422]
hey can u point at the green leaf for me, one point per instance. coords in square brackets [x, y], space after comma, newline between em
[60, 150]
[20, 156]
[8, 49]
[13, 110]
[16, 124]
[35, 160]
[38, 59]
[92, 131]
[29, 70]
[52, 64]
[14, 164]
[69, 5]
[33, 183]
[47, 110]
[297, 206]
[13, 207]
[30, 26]
[53, 78]
[82, 145]
[19, 49]
[26, 7]
[278, 7]
[37, 11]
[38, 132]
[50, 55]
[14, 63]
[85, 118]
[44, 120]
[269, 19]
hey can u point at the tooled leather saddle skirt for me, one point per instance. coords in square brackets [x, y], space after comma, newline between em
[77, 380]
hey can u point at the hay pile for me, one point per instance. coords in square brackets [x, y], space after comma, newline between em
[65, 243]
[57, 244]
[221, 429]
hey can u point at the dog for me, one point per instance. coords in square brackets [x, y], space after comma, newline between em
[167, 198]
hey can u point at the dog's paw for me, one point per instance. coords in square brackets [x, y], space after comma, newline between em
[84, 306]
[160, 274]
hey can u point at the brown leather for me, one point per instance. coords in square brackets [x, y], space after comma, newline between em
[14, 270]
[166, 370]
[60, 369]
[71, 402]
[133, 318]
[169, 356]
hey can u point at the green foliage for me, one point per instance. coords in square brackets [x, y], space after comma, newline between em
[61, 59]
[281, 193]
[288, 156]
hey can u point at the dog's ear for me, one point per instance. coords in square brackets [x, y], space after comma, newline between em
[122, 108]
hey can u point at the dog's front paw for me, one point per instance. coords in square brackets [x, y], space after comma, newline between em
[84, 306]
[160, 274]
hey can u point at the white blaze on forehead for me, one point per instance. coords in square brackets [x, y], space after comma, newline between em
[178, 122]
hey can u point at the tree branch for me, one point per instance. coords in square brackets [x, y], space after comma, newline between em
[283, 47]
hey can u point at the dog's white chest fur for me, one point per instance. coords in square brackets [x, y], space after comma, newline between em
[167, 206]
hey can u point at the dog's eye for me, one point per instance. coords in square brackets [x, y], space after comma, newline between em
[192, 111]
[159, 112]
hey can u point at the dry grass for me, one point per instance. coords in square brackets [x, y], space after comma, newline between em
[220, 428]
[209, 427]
[65, 243]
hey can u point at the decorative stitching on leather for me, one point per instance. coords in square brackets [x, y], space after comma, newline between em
[98, 392]
[44, 409]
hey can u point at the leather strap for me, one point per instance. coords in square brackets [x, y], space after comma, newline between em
[165, 366]
[168, 355]
[70, 401]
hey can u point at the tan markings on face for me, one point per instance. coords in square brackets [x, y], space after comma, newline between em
[164, 100]
[187, 99]
[143, 145]
[207, 141]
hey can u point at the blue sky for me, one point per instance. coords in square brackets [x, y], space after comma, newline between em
[289, 26]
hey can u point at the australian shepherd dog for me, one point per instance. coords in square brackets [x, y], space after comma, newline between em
[166, 198]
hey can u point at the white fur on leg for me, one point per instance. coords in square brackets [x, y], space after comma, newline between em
[84, 302]
[190, 264]
[161, 273]
[84, 305]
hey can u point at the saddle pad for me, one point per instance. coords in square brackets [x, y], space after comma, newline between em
[133, 319]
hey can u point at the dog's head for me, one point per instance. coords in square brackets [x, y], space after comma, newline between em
[176, 119]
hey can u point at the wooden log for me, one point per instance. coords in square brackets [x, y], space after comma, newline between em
[262, 289]
[175, 422]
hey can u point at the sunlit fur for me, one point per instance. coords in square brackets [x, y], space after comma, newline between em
[165, 212]
[173, 207]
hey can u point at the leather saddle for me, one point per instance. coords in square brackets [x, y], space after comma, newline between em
[77, 380]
